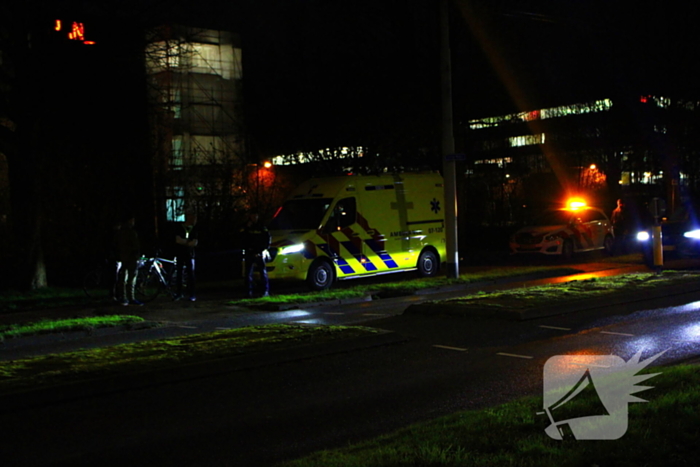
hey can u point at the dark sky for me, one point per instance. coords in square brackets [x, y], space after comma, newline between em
[329, 72]
[336, 68]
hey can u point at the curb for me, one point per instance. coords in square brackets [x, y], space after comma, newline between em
[682, 292]
[89, 387]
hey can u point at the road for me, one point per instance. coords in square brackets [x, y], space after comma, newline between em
[262, 415]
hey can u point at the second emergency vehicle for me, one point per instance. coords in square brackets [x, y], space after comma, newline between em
[356, 226]
[566, 231]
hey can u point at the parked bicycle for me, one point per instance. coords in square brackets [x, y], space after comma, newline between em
[155, 275]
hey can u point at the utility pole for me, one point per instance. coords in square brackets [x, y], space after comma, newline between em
[448, 146]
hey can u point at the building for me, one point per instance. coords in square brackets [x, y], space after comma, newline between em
[645, 146]
[196, 120]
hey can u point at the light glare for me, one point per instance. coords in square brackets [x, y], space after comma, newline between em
[292, 249]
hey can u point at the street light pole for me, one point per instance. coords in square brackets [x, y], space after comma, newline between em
[448, 146]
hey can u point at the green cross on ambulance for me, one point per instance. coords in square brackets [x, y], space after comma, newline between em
[338, 228]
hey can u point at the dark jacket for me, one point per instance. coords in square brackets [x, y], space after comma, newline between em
[128, 246]
[256, 238]
[185, 251]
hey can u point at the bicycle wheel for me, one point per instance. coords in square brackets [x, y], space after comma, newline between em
[147, 285]
[94, 284]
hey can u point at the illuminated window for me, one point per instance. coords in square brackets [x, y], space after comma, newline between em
[175, 102]
[162, 55]
[526, 140]
[644, 178]
[216, 60]
[177, 159]
[554, 112]
[320, 155]
[500, 162]
[175, 204]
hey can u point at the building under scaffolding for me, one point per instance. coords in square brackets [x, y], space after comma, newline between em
[196, 120]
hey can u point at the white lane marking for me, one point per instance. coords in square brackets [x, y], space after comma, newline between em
[186, 327]
[458, 349]
[503, 354]
[374, 314]
[333, 313]
[555, 327]
[617, 333]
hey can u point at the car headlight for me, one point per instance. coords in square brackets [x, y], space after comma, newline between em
[643, 236]
[287, 250]
[551, 238]
[692, 234]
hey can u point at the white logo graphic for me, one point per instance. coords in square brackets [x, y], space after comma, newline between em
[607, 378]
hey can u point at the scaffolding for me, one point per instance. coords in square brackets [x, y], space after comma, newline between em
[196, 122]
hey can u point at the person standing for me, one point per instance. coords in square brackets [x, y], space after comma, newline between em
[186, 240]
[256, 241]
[128, 254]
[115, 263]
[621, 224]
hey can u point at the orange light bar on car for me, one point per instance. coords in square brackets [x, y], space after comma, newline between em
[575, 203]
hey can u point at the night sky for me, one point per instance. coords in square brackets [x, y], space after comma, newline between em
[321, 73]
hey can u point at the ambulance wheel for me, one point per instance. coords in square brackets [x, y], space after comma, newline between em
[321, 275]
[428, 263]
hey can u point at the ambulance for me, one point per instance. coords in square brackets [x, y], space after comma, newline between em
[353, 226]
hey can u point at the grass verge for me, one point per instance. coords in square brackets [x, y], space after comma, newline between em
[551, 294]
[66, 325]
[662, 432]
[157, 354]
[49, 297]
[397, 288]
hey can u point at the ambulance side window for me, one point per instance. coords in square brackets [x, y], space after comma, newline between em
[343, 215]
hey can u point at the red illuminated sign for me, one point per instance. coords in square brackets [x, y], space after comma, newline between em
[76, 32]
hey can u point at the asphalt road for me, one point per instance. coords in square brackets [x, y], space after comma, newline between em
[260, 415]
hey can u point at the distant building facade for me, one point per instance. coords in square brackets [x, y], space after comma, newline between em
[603, 149]
[196, 119]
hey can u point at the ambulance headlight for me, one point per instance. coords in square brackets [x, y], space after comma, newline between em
[643, 236]
[288, 250]
[695, 234]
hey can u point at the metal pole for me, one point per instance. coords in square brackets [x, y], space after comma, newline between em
[448, 146]
[656, 236]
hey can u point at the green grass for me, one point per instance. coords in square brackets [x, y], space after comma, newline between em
[151, 355]
[49, 297]
[531, 297]
[66, 325]
[661, 432]
[307, 297]
[404, 287]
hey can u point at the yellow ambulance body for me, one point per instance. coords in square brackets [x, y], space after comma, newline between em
[339, 228]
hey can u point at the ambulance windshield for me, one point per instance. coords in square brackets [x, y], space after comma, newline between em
[301, 214]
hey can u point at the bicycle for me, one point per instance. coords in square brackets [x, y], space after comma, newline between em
[155, 275]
